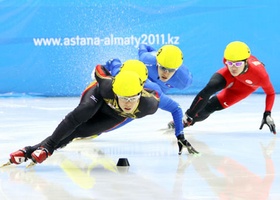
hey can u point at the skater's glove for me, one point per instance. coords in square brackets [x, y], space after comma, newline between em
[171, 125]
[267, 119]
[182, 142]
[108, 63]
[187, 120]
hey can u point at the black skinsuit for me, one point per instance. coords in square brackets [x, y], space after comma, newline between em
[97, 112]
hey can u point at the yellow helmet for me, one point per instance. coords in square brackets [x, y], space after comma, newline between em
[127, 83]
[170, 56]
[236, 51]
[136, 66]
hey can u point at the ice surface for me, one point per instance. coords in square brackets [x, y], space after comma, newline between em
[237, 161]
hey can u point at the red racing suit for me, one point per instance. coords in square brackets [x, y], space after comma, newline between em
[231, 89]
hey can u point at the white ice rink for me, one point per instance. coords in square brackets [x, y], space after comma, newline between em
[238, 161]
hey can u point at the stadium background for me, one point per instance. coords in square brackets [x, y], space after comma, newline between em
[49, 48]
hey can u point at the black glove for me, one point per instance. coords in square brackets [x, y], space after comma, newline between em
[268, 121]
[182, 142]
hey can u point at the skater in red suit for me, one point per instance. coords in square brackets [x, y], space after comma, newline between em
[106, 104]
[242, 75]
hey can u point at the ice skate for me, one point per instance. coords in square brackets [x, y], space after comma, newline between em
[18, 156]
[40, 155]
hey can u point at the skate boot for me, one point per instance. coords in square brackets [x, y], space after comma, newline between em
[20, 156]
[40, 155]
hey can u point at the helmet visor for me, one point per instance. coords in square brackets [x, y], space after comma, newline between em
[236, 64]
[129, 99]
[165, 69]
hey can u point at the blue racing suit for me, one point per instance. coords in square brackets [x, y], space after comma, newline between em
[182, 78]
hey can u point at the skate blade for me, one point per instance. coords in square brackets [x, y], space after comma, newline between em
[85, 138]
[6, 164]
[31, 164]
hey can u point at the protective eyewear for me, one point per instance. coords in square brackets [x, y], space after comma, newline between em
[130, 99]
[236, 64]
[166, 69]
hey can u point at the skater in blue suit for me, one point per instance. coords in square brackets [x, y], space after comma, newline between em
[165, 71]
